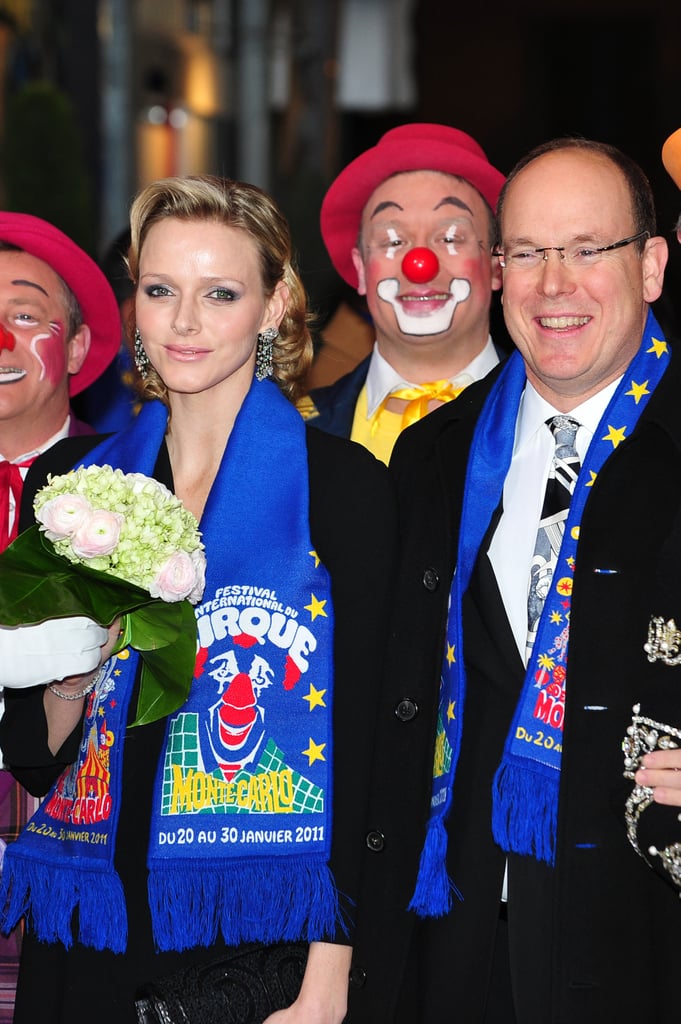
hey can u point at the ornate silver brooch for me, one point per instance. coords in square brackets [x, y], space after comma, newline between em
[643, 735]
[664, 641]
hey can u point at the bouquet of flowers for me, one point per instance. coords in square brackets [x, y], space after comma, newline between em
[110, 545]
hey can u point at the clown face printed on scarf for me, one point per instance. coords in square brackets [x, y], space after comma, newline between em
[237, 725]
[35, 357]
[424, 262]
[252, 666]
[254, 733]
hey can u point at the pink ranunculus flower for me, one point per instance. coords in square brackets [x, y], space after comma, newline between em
[198, 558]
[62, 516]
[175, 579]
[98, 534]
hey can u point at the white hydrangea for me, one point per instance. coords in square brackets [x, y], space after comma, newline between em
[127, 525]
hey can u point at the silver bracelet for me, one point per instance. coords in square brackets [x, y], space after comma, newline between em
[81, 693]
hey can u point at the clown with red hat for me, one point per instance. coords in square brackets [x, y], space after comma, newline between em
[410, 224]
[59, 329]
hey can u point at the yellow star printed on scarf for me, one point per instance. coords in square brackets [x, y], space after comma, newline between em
[615, 435]
[315, 697]
[556, 617]
[450, 711]
[638, 390]
[315, 607]
[450, 654]
[593, 476]
[316, 558]
[314, 752]
[570, 562]
[658, 347]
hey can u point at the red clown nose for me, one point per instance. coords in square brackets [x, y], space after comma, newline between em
[420, 265]
[7, 339]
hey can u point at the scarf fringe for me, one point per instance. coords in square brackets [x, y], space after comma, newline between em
[433, 893]
[251, 901]
[48, 895]
[525, 811]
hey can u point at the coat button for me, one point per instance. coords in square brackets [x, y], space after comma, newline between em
[375, 841]
[358, 977]
[431, 580]
[406, 710]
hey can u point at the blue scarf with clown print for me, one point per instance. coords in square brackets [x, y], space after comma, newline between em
[525, 790]
[241, 817]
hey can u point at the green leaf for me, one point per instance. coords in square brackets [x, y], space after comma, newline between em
[37, 584]
[168, 667]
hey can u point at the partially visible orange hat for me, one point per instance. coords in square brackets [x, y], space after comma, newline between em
[671, 157]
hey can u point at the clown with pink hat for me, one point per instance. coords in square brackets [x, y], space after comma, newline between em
[59, 329]
[409, 223]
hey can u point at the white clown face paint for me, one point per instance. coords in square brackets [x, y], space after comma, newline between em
[35, 364]
[427, 314]
[427, 209]
[394, 239]
[450, 240]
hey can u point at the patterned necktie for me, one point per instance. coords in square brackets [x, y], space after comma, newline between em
[418, 398]
[560, 484]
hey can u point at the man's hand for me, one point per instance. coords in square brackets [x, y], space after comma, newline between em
[661, 772]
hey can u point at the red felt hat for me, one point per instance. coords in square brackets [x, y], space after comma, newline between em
[410, 147]
[87, 282]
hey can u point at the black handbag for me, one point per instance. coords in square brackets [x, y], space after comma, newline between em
[240, 987]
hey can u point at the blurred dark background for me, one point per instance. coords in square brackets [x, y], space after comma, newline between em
[97, 97]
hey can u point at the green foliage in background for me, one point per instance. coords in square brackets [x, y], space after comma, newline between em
[41, 162]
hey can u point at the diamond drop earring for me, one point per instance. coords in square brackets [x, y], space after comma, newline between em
[263, 355]
[141, 357]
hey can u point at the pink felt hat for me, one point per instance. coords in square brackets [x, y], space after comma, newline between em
[87, 282]
[410, 147]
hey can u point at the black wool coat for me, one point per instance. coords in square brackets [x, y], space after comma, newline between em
[598, 938]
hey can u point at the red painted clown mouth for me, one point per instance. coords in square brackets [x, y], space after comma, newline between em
[238, 712]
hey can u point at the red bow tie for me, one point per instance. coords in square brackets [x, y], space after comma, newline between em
[11, 483]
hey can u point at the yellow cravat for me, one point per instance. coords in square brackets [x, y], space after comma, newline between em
[417, 399]
[380, 432]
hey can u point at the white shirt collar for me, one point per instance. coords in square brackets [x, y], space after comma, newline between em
[382, 379]
[61, 433]
[534, 411]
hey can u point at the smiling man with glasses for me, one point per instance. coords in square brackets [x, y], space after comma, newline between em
[541, 675]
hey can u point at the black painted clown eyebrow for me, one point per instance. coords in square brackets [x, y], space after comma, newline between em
[32, 284]
[453, 201]
[445, 201]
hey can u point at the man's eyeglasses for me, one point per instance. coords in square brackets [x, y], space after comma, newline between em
[578, 255]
